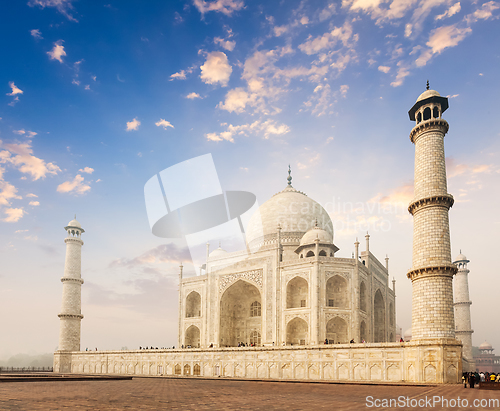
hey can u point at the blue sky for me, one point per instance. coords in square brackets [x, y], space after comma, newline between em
[98, 97]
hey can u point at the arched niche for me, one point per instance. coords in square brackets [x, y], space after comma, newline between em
[297, 332]
[297, 291]
[192, 337]
[391, 314]
[379, 318]
[255, 338]
[362, 296]
[362, 332]
[193, 305]
[336, 331]
[236, 319]
[336, 292]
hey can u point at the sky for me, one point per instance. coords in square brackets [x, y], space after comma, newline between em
[98, 97]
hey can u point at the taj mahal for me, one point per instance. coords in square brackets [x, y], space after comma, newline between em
[292, 308]
[293, 291]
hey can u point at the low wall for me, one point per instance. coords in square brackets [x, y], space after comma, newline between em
[437, 361]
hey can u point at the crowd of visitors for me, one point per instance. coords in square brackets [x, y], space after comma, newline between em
[473, 378]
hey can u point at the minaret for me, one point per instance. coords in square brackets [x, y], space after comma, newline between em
[71, 309]
[462, 305]
[432, 270]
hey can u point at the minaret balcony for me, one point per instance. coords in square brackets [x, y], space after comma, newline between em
[429, 125]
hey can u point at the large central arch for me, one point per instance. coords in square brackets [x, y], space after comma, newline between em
[240, 314]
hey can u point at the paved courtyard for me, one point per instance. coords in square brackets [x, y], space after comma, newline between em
[205, 394]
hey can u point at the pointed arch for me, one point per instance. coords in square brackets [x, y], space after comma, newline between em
[336, 292]
[336, 331]
[297, 291]
[193, 305]
[237, 305]
[297, 332]
[192, 337]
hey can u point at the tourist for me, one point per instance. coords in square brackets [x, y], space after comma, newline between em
[464, 380]
[472, 380]
[352, 341]
[492, 377]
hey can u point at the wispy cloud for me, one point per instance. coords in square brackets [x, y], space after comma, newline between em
[7, 193]
[164, 123]
[57, 53]
[403, 71]
[226, 44]
[15, 89]
[267, 129]
[165, 253]
[63, 6]
[36, 34]
[226, 7]
[181, 75]
[23, 132]
[20, 155]
[87, 170]
[193, 95]
[328, 40]
[13, 214]
[133, 125]
[450, 12]
[76, 186]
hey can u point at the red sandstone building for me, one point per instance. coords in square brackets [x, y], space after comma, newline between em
[486, 361]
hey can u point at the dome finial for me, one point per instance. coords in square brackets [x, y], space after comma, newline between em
[427, 87]
[289, 176]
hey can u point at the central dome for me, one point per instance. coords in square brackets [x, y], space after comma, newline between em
[294, 211]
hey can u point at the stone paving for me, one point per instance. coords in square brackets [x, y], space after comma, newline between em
[219, 394]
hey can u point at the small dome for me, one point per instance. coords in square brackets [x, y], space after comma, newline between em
[461, 257]
[218, 252]
[316, 232]
[74, 223]
[485, 346]
[428, 93]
